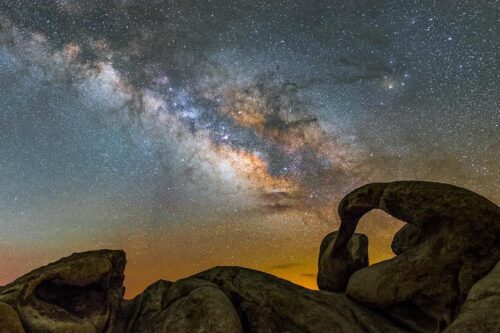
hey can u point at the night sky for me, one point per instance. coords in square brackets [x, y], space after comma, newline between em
[224, 132]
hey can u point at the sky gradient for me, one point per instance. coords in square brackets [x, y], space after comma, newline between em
[200, 133]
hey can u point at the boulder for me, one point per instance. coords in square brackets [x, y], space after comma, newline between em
[444, 269]
[481, 311]
[79, 294]
[406, 238]
[234, 299]
[9, 320]
[453, 247]
[334, 272]
[144, 306]
[188, 305]
[267, 304]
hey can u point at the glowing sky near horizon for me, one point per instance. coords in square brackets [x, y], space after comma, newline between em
[202, 133]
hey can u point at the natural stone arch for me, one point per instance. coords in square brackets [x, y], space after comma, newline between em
[448, 244]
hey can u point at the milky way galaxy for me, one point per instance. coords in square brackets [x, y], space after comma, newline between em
[202, 133]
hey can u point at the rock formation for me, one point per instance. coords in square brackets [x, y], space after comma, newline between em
[333, 273]
[453, 242]
[80, 294]
[443, 278]
[9, 320]
[481, 311]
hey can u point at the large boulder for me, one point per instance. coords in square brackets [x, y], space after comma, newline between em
[481, 311]
[453, 243]
[144, 306]
[444, 269]
[268, 304]
[335, 271]
[406, 238]
[79, 294]
[188, 305]
[234, 299]
[9, 320]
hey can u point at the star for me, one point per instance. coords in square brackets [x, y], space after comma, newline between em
[189, 127]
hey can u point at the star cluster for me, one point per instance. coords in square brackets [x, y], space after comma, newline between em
[202, 133]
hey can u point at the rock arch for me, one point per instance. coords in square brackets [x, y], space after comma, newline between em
[452, 239]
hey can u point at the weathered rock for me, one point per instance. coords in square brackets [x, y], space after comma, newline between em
[189, 305]
[79, 294]
[268, 304]
[481, 311]
[144, 306]
[406, 238]
[334, 272]
[427, 283]
[233, 299]
[451, 243]
[9, 320]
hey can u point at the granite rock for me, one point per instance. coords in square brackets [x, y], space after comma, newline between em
[334, 271]
[457, 242]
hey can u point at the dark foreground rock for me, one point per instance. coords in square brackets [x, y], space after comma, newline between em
[452, 240]
[189, 305]
[444, 277]
[80, 294]
[334, 272]
[481, 311]
[9, 320]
